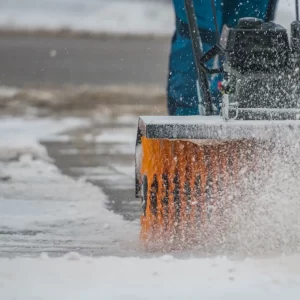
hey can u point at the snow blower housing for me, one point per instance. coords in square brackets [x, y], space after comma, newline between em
[188, 168]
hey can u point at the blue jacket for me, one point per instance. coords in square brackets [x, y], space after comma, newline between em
[182, 93]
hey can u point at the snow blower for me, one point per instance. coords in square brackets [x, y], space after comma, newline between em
[190, 170]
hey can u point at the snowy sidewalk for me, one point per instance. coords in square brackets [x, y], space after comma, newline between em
[43, 210]
[59, 241]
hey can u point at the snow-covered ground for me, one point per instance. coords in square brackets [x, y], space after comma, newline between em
[111, 278]
[40, 208]
[22, 135]
[113, 16]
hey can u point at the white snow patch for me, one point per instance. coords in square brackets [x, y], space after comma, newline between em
[11, 149]
[44, 256]
[114, 135]
[106, 226]
[55, 204]
[21, 135]
[134, 278]
[72, 256]
[53, 53]
[167, 258]
[38, 128]
[59, 211]
[8, 92]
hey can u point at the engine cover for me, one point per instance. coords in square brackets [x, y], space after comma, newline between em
[261, 70]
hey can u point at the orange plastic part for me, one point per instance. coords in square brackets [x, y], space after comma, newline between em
[189, 183]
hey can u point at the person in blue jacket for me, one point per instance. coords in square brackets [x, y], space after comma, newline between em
[181, 89]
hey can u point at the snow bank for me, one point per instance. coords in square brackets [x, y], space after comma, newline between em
[76, 277]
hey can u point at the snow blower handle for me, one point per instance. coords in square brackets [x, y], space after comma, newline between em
[204, 95]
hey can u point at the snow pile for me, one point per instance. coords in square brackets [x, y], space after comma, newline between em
[20, 135]
[77, 277]
[11, 149]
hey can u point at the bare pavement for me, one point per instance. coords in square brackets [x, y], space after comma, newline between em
[38, 61]
[101, 151]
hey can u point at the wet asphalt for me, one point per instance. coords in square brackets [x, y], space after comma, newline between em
[38, 61]
[99, 165]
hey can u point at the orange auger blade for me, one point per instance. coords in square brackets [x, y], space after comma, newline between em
[190, 184]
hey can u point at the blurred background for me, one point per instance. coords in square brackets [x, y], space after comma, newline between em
[113, 16]
[53, 43]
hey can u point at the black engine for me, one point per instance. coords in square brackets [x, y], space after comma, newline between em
[261, 70]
